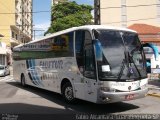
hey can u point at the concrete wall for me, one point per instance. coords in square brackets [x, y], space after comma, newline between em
[7, 7]
[116, 12]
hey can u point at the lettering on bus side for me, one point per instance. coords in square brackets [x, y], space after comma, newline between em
[56, 64]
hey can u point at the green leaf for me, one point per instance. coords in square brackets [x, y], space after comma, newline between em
[69, 14]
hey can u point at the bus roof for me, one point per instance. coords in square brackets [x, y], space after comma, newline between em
[87, 27]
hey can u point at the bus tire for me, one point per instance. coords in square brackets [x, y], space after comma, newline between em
[67, 92]
[23, 81]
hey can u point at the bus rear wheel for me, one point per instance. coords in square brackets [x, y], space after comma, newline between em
[23, 82]
[67, 92]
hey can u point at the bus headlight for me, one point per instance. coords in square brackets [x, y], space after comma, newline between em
[107, 89]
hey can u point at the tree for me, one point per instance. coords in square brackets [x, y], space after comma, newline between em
[69, 14]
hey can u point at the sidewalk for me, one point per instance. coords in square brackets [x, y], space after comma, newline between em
[154, 87]
[11, 69]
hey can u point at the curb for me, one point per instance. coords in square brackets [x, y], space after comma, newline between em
[154, 95]
[151, 88]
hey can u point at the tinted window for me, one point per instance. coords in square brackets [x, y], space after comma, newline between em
[79, 45]
[59, 46]
[80, 36]
[84, 53]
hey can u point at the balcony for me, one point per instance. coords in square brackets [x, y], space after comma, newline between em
[14, 42]
[16, 12]
[16, 1]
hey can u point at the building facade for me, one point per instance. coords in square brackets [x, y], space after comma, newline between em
[124, 13]
[15, 24]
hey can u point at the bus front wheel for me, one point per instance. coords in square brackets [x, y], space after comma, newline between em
[67, 92]
[23, 82]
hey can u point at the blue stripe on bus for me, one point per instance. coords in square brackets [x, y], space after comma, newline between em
[30, 73]
[27, 62]
[33, 72]
[36, 75]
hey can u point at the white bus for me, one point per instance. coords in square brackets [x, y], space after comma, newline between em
[95, 63]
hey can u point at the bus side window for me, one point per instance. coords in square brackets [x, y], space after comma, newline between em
[79, 44]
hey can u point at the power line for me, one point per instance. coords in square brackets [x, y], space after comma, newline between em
[100, 8]
[6, 36]
[11, 36]
[18, 25]
[131, 6]
[114, 22]
[118, 21]
[6, 8]
[25, 12]
[4, 29]
[131, 20]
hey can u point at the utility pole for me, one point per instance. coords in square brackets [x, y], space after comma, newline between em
[1, 35]
[34, 32]
[22, 26]
[22, 4]
[97, 12]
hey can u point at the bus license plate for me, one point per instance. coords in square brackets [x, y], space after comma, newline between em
[129, 97]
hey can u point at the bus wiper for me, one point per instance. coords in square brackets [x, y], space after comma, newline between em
[121, 69]
[131, 60]
[125, 60]
[128, 59]
[136, 49]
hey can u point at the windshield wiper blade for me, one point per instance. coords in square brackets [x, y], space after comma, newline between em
[123, 66]
[121, 70]
[135, 49]
[131, 59]
[126, 59]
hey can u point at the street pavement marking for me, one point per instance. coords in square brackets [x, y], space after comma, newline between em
[7, 79]
[154, 94]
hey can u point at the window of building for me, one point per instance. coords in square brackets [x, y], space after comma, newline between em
[16, 37]
[13, 34]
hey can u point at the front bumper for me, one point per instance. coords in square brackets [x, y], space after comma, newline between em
[2, 74]
[111, 97]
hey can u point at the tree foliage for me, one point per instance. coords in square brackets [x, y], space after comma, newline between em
[69, 14]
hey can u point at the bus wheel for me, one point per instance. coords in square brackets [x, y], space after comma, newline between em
[23, 82]
[67, 92]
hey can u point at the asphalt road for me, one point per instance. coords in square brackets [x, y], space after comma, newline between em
[16, 100]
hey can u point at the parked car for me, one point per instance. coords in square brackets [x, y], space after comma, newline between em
[4, 70]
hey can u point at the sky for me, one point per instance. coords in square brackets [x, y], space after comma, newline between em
[42, 20]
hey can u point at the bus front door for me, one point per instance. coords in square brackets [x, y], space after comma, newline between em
[90, 75]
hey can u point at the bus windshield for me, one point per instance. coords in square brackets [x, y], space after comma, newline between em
[122, 56]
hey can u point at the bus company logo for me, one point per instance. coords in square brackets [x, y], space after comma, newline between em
[117, 84]
[129, 88]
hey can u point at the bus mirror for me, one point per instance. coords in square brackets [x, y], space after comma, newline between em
[98, 50]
